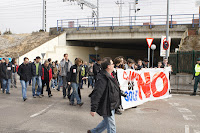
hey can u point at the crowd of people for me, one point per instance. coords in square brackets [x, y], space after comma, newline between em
[53, 75]
[71, 75]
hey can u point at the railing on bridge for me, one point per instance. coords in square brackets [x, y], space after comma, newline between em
[149, 20]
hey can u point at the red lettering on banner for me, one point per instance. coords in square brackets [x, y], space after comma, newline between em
[148, 86]
[144, 86]
[129, 77]
[165, 84]
[125, 74]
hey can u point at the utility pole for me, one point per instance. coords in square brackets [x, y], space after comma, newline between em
[135, 10]
[120, 9]
[44, 18]
[97, 13]
[167, 27]
[82, 3]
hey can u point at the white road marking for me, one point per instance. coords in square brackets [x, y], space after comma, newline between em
[187, 129]
[174, 104]
[42, 111]
[196, 131]
[184, 110]
[189, 117]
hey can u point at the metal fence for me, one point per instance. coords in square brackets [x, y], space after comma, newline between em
[148, 20]
[183, 62]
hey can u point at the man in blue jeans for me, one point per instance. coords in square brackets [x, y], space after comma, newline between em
[25, 74]
[36, 69]
[64, 68]
[105, 97]
[6, 75]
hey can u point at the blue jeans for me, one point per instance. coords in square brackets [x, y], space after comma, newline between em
[81, 84]
[75, 93]
[39, 82]
[91, 81]
[24, 88]
[60, 82]
[53, 83]
[6, 85]
[108, 123]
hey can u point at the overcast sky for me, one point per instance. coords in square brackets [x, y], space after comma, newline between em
[25, 16]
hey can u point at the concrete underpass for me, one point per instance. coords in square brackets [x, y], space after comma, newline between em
[129, 48]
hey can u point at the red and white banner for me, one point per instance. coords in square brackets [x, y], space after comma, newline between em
[144, 85]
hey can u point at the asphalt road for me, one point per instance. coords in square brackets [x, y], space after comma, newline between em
[178, 114]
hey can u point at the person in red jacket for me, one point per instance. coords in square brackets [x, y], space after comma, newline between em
[46, 77]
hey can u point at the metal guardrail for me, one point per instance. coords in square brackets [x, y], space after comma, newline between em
[182, 83]
[148, 20]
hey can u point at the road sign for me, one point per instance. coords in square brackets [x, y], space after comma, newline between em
[149, 41]
[164, 45]
[43, 54]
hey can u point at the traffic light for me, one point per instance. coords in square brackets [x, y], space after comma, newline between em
[136, 1]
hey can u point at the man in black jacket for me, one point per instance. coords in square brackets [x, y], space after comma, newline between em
[97, 67]
[6, 75]
[105, 98]
[24, 72]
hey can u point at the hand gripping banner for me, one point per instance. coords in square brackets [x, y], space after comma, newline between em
[144, 85]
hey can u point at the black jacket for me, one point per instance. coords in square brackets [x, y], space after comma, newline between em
[96, 69]
[6, 71]
[90, 71]
[33, 69]
[24, 71]
[106, 94]
[73, 74]
[139, 67]
[86, 70]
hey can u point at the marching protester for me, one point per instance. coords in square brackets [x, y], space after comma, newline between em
[60, 82]
[86, 70]
[90, 76]
[83, 74]
[25, 74]
[65, 65]
[0, 75]
[50, 63]
[75, 78]
[55, 75]
[145, 63]
[46, 77]
[196, 76]
[105, 98]
[130, 64]
[2, 61]
[6, 75]
[139, 65]
[165, 63]
[36, 68]
[118, 64]
[160, 65]
[97, 67]
[14, 73]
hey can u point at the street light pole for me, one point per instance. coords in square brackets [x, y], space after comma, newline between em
[153, 47]
[167, 27]
[44, 18]
[96, 49]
